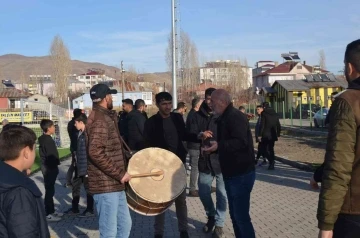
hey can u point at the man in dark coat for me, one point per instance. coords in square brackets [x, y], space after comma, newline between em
[22, 212]
[259, 110]
[193, 149]
[135, 122]
[236, 155]
[166, 130]
[73, 135]
[269, 132]
[128, 106]
[203, 125]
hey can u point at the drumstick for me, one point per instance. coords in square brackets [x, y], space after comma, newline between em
[158, 173]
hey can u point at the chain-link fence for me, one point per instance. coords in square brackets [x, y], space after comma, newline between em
[34, 112]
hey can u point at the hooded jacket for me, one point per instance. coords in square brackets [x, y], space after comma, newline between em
[22, 211]
[270, 125]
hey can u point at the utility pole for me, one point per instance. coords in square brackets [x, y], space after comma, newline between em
[173, 33]
[122, 81]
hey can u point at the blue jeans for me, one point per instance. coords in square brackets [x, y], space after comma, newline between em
[114, 215]
[238, 191]
[205, 181]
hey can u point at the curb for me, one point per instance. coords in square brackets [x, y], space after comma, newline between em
[295, 164]
[61, 159]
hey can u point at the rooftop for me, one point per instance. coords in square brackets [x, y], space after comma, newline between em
[13, 93]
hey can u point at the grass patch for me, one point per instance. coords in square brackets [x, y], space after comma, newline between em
[63, 153]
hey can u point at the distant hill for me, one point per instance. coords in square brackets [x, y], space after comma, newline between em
[12, 66]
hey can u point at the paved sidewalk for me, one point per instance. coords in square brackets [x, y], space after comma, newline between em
[282, 205]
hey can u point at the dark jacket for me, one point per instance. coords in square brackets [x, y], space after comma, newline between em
[270, 125]
[154, 133]
[258, 127]
[235, 143]
[106, 164]
[135, 122]
[81, 155]
[49, 154]
[191, 145]
[340, 190]
[22, 211]
[122, 124]
[199, 123]
[210, 163]
[73, 134]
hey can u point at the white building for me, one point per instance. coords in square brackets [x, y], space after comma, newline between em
[222, 73]
[92, 77]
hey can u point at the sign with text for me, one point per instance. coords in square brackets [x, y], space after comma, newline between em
[16, 116]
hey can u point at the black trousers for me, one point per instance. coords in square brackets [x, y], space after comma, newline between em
[77, 182]
[261, 150]
[269, 152]
[347, 226]
[50, 176]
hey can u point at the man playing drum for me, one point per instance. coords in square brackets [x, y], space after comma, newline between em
[106, 165]
[166, 130]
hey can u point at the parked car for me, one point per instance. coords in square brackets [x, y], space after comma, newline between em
[320, 116]
[305, 110]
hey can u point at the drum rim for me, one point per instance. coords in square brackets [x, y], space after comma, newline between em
[173, 199]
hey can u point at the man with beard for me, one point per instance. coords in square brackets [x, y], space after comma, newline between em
[339, 201]
[135, 123]
[203, 125]
[106, 165]
[269, 132]
[166, 130]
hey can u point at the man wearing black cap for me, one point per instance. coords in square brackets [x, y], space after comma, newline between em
[106, 165]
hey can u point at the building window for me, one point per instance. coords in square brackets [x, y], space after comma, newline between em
[87, 77]
[299, 67]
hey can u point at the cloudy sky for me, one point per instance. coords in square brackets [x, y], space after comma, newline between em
[136, 31]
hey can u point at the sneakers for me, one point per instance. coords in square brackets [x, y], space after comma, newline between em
[72, 212]
[184, 234]
[209, 226]
[52, 218]
[87, 213]
[218, 232]
[58, 214]
[263, 163]
[271, 166]
[194, 193]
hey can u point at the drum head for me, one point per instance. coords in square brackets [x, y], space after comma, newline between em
[152, 189]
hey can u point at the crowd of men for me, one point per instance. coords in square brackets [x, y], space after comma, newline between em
[220, 144]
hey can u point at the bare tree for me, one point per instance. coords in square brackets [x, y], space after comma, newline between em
[188, 63]
[322, 59]
[131, 74]
[60, 58]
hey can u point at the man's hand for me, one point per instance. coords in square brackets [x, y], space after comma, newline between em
[126, 178]
[325, 234]
[259, 139]
[314, 184]
[207, 134]
[212, 148]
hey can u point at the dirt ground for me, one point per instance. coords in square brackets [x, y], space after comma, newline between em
[306, 149]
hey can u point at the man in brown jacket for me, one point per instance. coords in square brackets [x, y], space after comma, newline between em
[339, 201]
[106, 165]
